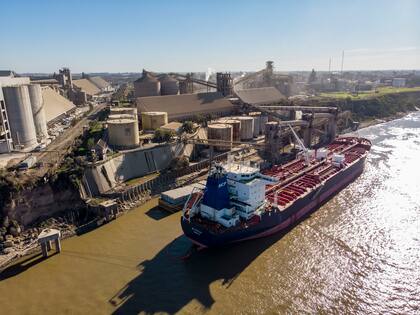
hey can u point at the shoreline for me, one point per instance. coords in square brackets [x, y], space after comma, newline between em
[7, 260]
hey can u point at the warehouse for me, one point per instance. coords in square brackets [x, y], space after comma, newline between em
[185, 106]
[260, 96]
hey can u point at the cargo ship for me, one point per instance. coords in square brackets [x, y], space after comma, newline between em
[240, 202]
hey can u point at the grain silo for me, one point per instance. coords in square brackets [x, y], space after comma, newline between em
[38, 111]
[220, 132]
[168, 85]
[147, 85]
[153, 120]
[120, 116]
[123, 110]
[236, 127]
[257, 122]
[247, 127]
[20, 115]
[123, 133]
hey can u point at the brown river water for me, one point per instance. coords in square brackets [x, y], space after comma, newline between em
[358, 254]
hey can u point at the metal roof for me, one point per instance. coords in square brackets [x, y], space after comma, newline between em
[55, 104]
[87, 86]
[179, 106]
[99, 82]
[258, 96]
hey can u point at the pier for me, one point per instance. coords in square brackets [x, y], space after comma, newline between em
[45, 239]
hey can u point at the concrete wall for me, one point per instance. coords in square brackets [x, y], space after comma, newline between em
[130, 164]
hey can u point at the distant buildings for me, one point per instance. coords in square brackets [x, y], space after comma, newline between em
[398, 82]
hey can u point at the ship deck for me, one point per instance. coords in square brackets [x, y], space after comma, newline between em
[297, 178]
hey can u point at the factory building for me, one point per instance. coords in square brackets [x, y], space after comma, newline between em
[260, 96]
[26, 109]
[147, 85]
[92, 86]
[168, 85]
[186, 106]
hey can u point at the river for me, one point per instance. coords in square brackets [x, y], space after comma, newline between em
[358, 254]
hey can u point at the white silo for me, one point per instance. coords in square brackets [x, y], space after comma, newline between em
[19, 111]
[38, 111]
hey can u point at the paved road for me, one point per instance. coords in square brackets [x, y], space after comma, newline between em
[61, 145]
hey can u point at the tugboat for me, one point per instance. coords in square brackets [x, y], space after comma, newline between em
[240, 202]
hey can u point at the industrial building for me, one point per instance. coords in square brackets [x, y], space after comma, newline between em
[186, 106]
[26, 110]
[260, 96]
[147, 85]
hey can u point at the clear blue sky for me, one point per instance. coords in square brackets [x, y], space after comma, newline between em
[193, 35]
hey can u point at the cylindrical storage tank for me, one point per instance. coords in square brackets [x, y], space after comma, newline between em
[168, 85]
[38, 111]
[153, 120]
[236, 128]
[257, 122]
[123, 133]
[220, 132]
[147, 85]
[20, 115]
[247, 127]
[263, 121]
[123, 110]
[121, 116]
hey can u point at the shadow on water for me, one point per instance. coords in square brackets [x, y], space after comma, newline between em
[167, 283]
[23, 265]
[157, 213]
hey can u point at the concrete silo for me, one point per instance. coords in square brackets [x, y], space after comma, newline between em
[38, 111]
[168, 85]
[147, 85]
[20, 115]
[247, 127]
[123, 133]
[153, 120]
[220, 132]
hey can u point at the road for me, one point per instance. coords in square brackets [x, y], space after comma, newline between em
[58, 148]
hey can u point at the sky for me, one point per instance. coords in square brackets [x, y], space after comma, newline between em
[194, 35]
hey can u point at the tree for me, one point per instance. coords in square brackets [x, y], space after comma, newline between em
[188, 127]
[163, 135]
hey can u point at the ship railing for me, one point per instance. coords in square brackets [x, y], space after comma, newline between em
[193, 193]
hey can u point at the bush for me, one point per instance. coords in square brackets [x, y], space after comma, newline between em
[188, 127]
[163, 135]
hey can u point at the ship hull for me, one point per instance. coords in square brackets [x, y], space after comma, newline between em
[275, 221]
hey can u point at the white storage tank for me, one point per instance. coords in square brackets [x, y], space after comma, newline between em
[123, 133]
[247, 127]
[38, 111]
[20, 115]
[123, 110]
[236, 127]
[121, 116]
[147, 85]
[220, 132]
[257, 122]
[153, 120]
[168, 85]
